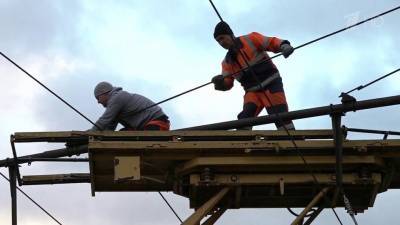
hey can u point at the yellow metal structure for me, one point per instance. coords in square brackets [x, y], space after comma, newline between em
[220, 170]
[126, 168]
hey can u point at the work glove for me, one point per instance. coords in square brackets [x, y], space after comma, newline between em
[219, 83]
[286, 48]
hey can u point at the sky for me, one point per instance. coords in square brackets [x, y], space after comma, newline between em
[161, 48]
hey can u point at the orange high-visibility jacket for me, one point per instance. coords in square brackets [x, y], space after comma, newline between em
[254, 47]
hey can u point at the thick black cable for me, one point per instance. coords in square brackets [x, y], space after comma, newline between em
[374, 81]
[216, 11]
[172, 209]
[300, 46]
[37, 204]
[269, 59]
[337, 216]
[48, 89]
[349, 27]
[175, 96]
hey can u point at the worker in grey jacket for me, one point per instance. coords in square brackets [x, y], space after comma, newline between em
[128, 109]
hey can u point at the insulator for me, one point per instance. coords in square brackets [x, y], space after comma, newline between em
[347, 205]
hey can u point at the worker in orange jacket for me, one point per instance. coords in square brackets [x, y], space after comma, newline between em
[263, 85]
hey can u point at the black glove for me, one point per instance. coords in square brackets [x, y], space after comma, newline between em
[219, 83]
[286, 48]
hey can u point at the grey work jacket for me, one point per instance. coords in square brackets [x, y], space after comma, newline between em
[122, 107]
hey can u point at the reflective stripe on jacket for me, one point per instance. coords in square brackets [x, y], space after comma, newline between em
[253, 47]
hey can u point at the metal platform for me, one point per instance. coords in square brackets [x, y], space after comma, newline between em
[220, 170]
[262, 169]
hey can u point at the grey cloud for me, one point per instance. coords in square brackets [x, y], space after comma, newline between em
[52, 27]
[28, 27]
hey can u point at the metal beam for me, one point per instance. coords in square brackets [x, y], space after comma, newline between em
[338, 142]
[13, 190]
[63, 152]
[386, 133]
[301, 114]
[313, 216]
[235, 179]
[55, 160]
[275, 161]
[317, 198]
[199, 214]
[71, 136]
[56, 179]
[15, 157]
[122, 146]
[214, 217]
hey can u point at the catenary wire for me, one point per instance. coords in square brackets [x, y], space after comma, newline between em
[48, 89]
[198, 87]
[275, 56]
[34, 202]
[205, 84]
[172, 209]
[374, 81]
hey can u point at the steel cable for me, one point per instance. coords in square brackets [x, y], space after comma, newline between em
[372, 82]
[203, 85]
[172, 209]
[34, 202]
[48, 89]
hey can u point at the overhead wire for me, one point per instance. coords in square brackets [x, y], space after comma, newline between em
[34, 202]
[73, 108]
[275, 56]
[208, 83]
[48, 89]
[372, 82]
[203, 85]
[172, 209]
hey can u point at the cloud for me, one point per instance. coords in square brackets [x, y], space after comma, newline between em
[28, 25]
[161, 49]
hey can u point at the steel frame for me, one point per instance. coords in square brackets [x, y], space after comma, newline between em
[13, 191]
[206, 208]
[80, 143]
[316, 199]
